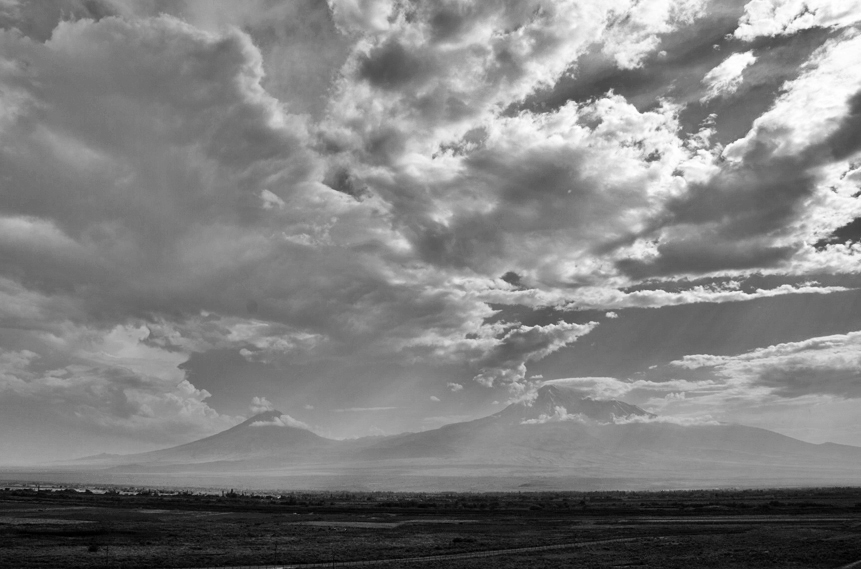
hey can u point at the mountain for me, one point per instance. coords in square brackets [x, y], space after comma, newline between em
[261, 437]
[515, 435]
[562, 428]
[552, 402]
[556, 439]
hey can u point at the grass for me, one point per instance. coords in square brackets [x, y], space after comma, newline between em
[758, 528]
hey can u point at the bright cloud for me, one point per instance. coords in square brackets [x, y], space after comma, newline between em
[613, 388]
[560, 415]
[785, 17]
[260, 405]
[827, 365]
[726, 78]
[359, 188]
[282, 421]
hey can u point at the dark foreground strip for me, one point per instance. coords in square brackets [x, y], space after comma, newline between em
[471, 555]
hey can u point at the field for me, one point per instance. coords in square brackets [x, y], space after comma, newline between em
[137, 528]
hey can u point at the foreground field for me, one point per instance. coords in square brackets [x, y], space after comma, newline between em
[762, 528]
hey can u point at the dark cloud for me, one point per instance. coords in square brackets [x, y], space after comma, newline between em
[851, 232]
[673, 70]
[539, 192]
[801, 380]
[512, 278]
[37, 20]
[169, 198]
[392, 66]
[340, 180]
[449, 22]
[676, 70]
[778, 60]
[703, 254]
[302, 51]
[729, 221]
[846, 140]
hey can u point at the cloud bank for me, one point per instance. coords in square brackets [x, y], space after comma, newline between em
[321, 188]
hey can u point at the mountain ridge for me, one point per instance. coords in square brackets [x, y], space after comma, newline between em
[556, 433]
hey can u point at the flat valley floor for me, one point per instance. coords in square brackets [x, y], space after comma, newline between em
[139, 528]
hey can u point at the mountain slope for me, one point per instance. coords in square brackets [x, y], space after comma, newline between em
[557, 435]
[563, 430]
[262, 436]
[552, 401]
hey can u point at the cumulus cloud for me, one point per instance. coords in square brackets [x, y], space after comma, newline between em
[111, 380]
[282, 421]
[455, 387]
[438, 69]
[500, 222]
[725, 79]
[260, 405]
[785, 17]
[827, 366]
[434, 398]
[505, 363]
[635, 30]
[767, 199]
[598, 387]
[358, 201]
[669, 419]
[614, 388]
[717, 293]
[560, 415]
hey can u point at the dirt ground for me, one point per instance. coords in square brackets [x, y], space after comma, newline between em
[139, 528]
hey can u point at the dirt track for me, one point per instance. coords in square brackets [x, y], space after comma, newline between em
[451, 556]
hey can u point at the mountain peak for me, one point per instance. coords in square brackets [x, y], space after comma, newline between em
[264, 417]
[551, 399]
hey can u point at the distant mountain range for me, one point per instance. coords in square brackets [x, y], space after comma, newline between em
[559, 439]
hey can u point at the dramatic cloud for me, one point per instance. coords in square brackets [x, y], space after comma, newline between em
[363, 203]
[505, 363]
[613, 388]
[771, 196]
[829, 365]
[783, 17]
[109, 380]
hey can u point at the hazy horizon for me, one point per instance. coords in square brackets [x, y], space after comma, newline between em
[381, 216]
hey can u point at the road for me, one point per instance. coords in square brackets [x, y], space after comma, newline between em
[470, 555]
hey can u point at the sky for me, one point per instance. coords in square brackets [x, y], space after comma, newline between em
[379, 216]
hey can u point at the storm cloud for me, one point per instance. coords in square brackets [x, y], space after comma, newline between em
[365, 194]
